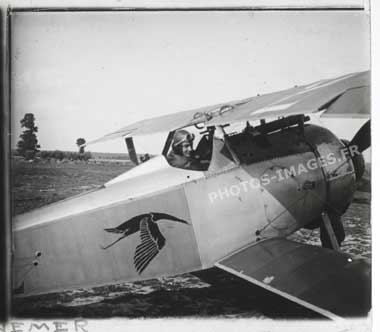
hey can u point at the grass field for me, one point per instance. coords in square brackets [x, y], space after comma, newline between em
[38, 184]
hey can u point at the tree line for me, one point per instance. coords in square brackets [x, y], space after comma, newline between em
[61, 155]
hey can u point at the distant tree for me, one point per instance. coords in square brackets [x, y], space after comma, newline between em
[81, 141]
[28, 145]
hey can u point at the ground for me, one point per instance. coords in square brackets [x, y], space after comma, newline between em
[44, 182]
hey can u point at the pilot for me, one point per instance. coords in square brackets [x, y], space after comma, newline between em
[182, 154]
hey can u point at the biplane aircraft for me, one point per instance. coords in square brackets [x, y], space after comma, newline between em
[258, 185]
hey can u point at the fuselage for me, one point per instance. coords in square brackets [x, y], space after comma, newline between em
[283, 182]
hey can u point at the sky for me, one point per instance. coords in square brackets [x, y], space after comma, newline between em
[88, 74]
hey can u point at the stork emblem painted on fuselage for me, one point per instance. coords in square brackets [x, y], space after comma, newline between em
[152, 240]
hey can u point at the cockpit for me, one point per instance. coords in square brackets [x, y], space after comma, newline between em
[190, 151]
[208, 151]
[213, 149]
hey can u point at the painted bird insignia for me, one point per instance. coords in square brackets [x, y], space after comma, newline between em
[152, 240]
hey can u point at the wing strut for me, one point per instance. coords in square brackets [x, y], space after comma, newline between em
[330, 231]
[131, 150]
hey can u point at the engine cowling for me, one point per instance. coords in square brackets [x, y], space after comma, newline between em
[336, 165]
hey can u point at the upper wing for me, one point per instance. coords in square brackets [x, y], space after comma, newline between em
[326, 281]
[348, 94]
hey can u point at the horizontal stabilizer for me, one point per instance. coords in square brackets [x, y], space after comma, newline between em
[329, 282]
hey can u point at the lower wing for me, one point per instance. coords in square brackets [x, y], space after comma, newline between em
[329, 282]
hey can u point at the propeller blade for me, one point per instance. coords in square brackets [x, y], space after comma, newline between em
[362, 139]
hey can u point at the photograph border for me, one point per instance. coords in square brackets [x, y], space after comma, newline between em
[6, 56]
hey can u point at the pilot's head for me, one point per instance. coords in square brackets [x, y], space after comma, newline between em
[183, 143]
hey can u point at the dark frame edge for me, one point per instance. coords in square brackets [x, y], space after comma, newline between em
[5, 224]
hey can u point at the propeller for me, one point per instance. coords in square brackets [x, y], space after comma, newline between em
[360, 143]
[362, 139]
